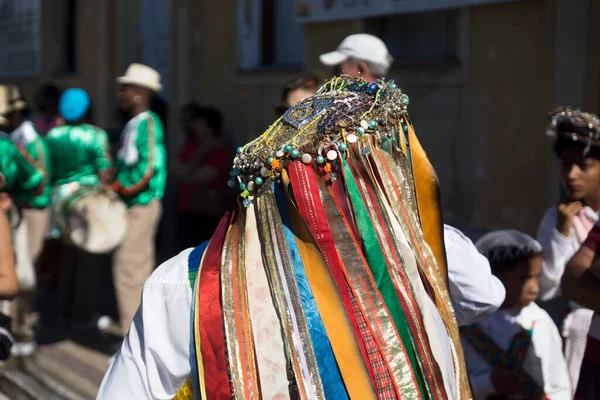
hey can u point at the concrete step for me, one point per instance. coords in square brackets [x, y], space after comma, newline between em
[61, 371]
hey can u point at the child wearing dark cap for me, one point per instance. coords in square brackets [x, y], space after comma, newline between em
[517, 351]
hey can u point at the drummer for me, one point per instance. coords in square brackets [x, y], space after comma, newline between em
[80, 155]
[140, 180]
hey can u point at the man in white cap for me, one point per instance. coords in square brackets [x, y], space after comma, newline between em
[362, 55]
[474, 294]
[140, 180]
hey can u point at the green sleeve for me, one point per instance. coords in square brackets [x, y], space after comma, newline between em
[103, 158]
[28, 180]
[141, 173]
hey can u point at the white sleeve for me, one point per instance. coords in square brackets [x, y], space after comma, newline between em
[474, 291]
[557, 250]
[548, 347]
[153, 362]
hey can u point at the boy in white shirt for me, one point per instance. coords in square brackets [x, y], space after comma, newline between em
[517, 351]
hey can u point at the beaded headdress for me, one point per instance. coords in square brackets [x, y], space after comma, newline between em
[320, 129]
[576, 125]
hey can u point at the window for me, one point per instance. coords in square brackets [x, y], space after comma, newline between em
[430, 38]
[269, 35]
[20, 48]
[67, 38]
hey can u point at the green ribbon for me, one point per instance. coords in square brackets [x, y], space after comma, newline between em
[377, 265]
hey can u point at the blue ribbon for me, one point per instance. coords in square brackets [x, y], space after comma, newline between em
[330, 375]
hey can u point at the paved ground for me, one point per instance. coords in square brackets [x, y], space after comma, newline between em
[69, 366]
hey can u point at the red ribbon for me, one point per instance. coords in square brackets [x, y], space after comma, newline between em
[212, 340]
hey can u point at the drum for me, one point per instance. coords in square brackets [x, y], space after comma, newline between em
[93, 220]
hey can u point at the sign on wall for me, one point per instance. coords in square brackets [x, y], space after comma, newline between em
[328, 10]
[20, 37]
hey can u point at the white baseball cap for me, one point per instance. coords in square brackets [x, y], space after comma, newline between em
[360, 46]
[141, 75]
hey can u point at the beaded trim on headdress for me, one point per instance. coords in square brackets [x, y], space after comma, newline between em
[319, 129]
[576, 125]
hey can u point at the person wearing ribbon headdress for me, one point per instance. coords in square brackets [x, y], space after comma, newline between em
[517, 351]
[36, 215]
[81, 158]
[318, 284]
[140, 181]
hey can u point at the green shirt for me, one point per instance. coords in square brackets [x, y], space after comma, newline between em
[27, 137]
[22, 180]
[78, 154]
[141, 160]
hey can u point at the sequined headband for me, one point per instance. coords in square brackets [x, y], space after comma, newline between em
[319, 130]
[576, 125]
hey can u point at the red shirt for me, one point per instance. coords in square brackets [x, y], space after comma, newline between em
[217, 158]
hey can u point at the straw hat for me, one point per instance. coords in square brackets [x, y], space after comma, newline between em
[143, 76]
[10, 100]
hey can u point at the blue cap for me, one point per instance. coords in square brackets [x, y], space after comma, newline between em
[74, 103]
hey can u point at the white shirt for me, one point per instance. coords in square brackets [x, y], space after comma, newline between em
[474, 291]
[557, 251]
[544, 362]
[153, 362]
[24, 134]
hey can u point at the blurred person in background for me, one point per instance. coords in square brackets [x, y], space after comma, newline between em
[361, 55]
[36, 214]
[140, 181]
[46, 103]
[202, 169]
[297, 90]
[81, 157]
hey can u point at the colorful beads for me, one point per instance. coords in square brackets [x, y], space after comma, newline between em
[405, 128]
[364, 124]
[258, 180]
[343, 147]
[264, 171]
[332, 155]
[240, 149]
[393, 86]
[351, 138]
[287, 148]
[280, 153]
[320, 160]
[295, 153]
[372, 124]
[327, 167]
[275, 164]
[247, 203]
[269, 160]
[242, 185]
[245, 193]
[250, 186]
[231, 183]
[360, 131]
[306, 158]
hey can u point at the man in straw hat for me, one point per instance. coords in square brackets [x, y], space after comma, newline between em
[140, 181]
[319, 284]
[36, 215]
